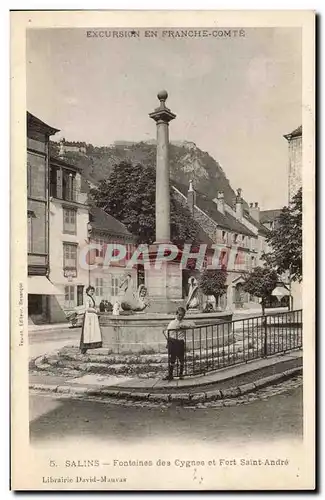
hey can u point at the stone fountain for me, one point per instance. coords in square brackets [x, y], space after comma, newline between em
[143, 330]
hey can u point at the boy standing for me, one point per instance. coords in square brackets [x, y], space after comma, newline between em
[176, 343]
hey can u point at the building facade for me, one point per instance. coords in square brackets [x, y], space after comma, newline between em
[294, 184]
[105, 230]
[239, 234]
[69, 217]
[38, 224]
[269, 218]
[74, 226]
[295, 161]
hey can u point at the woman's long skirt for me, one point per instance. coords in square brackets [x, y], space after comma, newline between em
[91, 337]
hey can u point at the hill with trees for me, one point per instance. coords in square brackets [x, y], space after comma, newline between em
[187, 162]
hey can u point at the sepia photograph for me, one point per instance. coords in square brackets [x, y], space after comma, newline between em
[162, 202]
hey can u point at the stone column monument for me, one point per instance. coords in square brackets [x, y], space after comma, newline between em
[162, 116]
[164, 284]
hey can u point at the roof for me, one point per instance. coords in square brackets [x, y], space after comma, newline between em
[261, 229]
[269, 215]
[63, 163]
[103, 221]
[35, 123]
[297, 132]
[85, 188]
[226, 221]
[203, 237]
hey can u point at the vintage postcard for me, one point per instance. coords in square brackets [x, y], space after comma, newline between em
[162, 244]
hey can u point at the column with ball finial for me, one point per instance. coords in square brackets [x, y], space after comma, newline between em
[163, 279]
[162, 116]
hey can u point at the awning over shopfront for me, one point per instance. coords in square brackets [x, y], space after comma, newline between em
[280, 291]
[40, 285]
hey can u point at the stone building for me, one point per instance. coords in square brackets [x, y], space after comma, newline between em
[60, 224]
[269, 218]
[295, 161]
[40, 288]
[73, 226]
[69, 216]
[104, 229]
[239, 232]
[295, 183]
[72, 147]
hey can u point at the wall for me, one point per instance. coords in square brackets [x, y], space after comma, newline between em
[234, 269]
[106, 274]
[57, 237]
[296, 292]
[37, 224]
[295, 166]
[101, 276]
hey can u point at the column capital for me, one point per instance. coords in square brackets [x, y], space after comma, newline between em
[162, 114]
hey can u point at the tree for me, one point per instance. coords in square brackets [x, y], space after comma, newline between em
[213, 282]
[286, 241]
[261, 283]
[129, 195]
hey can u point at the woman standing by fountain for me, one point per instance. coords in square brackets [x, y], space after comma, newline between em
[91, 337]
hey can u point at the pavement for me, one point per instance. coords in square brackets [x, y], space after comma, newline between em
[48, 326]
[45, 341]
[225, 383]
[270, 416]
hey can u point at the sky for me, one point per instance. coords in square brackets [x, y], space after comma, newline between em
[234, 97]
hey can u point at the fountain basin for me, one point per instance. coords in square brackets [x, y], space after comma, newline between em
[143, 332]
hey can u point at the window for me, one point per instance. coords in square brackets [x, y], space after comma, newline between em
[129, 251]
[69, 221]
[140, 274]
[120, 262]
[235, 238]
[30, 231]
[99, 287]
[69, 299]
[69, 256]
[36, 176]
[80, 295]
[101, 252]
[223, 259]
[54, 182]
[36, 225]
[115, 285]
[224, 236]
[68, 186]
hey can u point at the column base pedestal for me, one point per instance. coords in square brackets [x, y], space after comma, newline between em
[164, 285]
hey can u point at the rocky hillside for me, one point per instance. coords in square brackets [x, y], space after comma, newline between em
[187, 161]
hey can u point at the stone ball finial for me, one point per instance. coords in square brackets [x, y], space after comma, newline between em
[162, 95]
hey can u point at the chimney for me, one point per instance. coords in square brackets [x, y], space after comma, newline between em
[239, 205]
[221, 202]
[254, 211]
[62, 149]
[191, 198]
